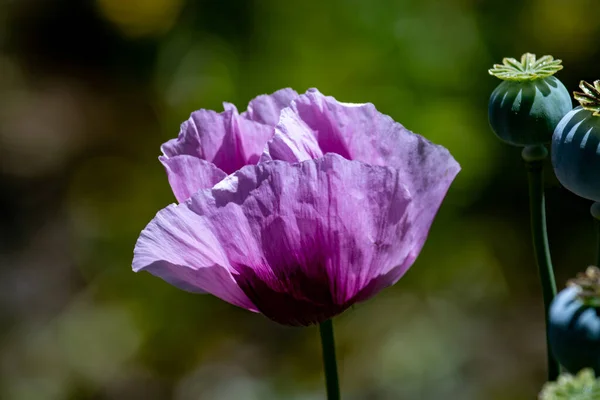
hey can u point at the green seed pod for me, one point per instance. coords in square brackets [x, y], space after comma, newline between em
[576, 145]
[527, 106]
[574, 323]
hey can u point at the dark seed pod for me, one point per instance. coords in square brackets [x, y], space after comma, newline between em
[526, 107]
[576, 145]
[574, 323]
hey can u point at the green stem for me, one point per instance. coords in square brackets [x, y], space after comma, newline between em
[329, 360]
[597, 223]
[595, 211]
[534, 160]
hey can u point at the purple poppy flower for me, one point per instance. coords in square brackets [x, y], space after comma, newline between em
[297, 208]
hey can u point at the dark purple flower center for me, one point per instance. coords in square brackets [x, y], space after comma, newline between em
[295, 299]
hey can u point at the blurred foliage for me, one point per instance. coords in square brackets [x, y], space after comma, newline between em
[90, 89]
[583, 386]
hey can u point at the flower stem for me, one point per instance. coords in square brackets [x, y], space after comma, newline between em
[595, 211]
[534, 158]
[329, 360]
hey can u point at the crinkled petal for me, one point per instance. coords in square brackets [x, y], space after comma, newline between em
[188, 174]
[225, 139]
[360, 132]
[267, 107]
[229, 107]
[179, 246]
[293, 140]
[307, 240]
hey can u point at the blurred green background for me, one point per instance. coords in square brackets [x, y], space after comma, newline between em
[89, 89]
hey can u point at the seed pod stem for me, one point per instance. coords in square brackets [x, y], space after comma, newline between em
[534, 157]
[595, 211]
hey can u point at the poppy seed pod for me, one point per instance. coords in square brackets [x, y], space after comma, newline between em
[526, 107]
[576, 144]
[574, 323]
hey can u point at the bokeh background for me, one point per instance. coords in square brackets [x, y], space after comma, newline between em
[89, 89]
